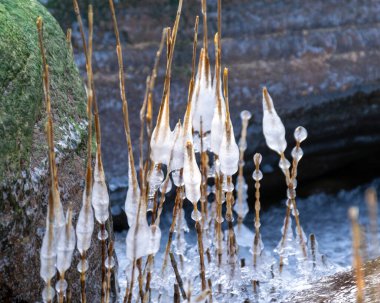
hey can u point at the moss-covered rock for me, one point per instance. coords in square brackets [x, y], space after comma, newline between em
[21, 97]
[23, 149]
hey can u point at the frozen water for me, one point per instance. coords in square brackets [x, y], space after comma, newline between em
[322, 214]
[273, 128]
[228, 152]
[100, 198]
[203, 97]
[85, 225]
[162, 137]
[191, 175]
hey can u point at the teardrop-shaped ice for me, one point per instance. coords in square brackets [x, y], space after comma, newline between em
[66, 245]
[274, 130]
[59, 215]
[100, 198]
[132, 199]
[191, 175]
[219, 117]
[162, 139]
[204, 97]
[48, 255]
[178, 149]
[85, 226]
[139, 235]
[229, 152]
[155, 239]
[300, 134]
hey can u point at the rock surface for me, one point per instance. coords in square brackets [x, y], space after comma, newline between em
[342, 287]
[23, 149]
[318, 60]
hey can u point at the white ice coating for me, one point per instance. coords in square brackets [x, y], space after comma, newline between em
[241, 207]
[162, 138]
[203, 97]
[139, 235]
[100, 197]
[132, 199]
[59, 216]
[229, 152]
[178, 149]
[66, 245]
[218, 119]
[274, 130]
[48, 255]
[85, 226]
[191, 175]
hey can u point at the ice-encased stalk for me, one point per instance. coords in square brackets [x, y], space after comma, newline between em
[257, 175]
[85, 224]
[192, 178]
[353, 214]
[273, 128]
[65, 250]
[241, 207]
[218, 119]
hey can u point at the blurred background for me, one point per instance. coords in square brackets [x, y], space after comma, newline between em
[319, 60]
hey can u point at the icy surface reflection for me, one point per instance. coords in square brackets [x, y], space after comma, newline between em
[323, 215]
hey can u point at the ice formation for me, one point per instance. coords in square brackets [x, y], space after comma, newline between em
[162, 138]
[100, 198]
[273, 129]
[203, 97]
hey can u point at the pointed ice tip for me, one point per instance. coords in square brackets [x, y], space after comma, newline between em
[353, 213]
[267, 98]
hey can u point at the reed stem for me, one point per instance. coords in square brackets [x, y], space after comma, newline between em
[198, 228]
[177, 275]
[353, 213]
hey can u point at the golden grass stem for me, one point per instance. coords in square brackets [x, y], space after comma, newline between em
[83, 279]
[104, 248]
[123, 95]
[177, 275]
[198, 228]
[353, 214]
[109, 269]
[371, 200]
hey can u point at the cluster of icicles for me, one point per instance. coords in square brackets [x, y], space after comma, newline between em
[207, 130]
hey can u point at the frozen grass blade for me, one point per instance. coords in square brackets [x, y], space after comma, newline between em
[353, 214]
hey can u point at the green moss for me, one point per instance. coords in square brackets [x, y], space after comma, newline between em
[22, 110]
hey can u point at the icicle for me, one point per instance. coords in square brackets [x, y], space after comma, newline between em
[66, 245]
[274, 130]
[65, 250]
[178, 150]
[139, 235]
[218, 119]
[203, 97]
[132, 199]
[100, 198]
[192, 177]
[85, 225]
[162, 138]
[229, 150]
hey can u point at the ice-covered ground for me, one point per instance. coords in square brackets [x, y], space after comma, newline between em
[321, 214]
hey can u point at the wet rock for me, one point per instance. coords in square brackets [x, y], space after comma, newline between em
[316, 58]
[23, 149]
[341, 287]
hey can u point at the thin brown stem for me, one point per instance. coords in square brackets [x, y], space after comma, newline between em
[357, 260]
[109, 269]
[177, 275]
[83, 279]
[198, 228]
[104, 248]
[172, 227]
